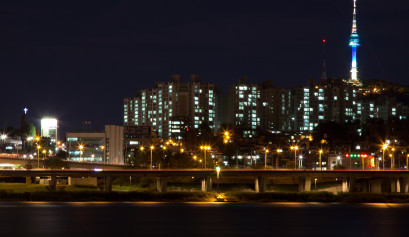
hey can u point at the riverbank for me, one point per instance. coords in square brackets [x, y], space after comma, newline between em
[84, 196]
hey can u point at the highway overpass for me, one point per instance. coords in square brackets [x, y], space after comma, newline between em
[352, 180]
[72, 164]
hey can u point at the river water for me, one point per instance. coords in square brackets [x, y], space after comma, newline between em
[76, 219]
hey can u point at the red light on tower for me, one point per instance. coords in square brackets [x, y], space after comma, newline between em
[323, 41]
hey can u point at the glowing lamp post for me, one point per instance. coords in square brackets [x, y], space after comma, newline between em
[81, 147]
[103, 148]
[152, 147]
[3, 137]
[407, 157]
[295, 148]
[383, 155]
[265, 159]
[277, 160]
[319, 160]
[205, 148]
[38, 156]
[393, 158]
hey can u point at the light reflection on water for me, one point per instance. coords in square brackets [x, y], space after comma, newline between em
[76, 219]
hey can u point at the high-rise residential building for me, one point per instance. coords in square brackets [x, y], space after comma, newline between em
[261, 106]
[193, 102]
[244, 104]
[331, 100]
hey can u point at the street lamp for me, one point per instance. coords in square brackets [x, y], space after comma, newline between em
[383, 155]
[265, 159]
[393, 158]
[163, 155]
[407, 157]
[319, 160]
[104, 158]
[295, 148]
[152, 147]
[205, 148]
[277, 160]
[38, 156]
[81, 147]
[226, 137]
[3, 137]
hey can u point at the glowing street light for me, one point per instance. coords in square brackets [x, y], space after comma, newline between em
[205, 148]
[152, 147]
[295, 148]
[407, 159]
[265, 159]
[392, 158]
[38, 155]
[103, 148]
[81, 147]
[384, 147]
[319, 160]
[226, 137]
[3, 137]
[278, 155]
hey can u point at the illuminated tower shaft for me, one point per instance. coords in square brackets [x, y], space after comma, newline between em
[354, 42]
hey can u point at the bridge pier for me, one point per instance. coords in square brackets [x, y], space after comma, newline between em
[260, 184]
[207, 184]
[108, 183]
[395, 185]
[161, 184]
[404, 184]
[53, 183]
[304, 184]
[345, 187]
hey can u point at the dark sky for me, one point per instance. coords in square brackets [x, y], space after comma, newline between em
[78, 60]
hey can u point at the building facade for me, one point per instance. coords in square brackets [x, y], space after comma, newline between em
[160, 107]
[105, 147]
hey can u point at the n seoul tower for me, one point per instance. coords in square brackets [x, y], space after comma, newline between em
[354, 42]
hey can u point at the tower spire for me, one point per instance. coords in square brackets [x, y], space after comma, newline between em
[354, 42]
[324, 68]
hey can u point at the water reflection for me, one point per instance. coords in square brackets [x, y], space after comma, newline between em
[201, 219]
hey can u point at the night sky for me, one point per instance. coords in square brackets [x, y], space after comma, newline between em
[78, 60]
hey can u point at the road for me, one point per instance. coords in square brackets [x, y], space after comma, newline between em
[202, 219]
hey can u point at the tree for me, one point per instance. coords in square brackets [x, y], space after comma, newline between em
[62, 154]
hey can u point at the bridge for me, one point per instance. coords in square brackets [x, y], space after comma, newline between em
[352, 180]
[14, 159]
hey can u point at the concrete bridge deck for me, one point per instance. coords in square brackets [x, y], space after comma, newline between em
[352, 180]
